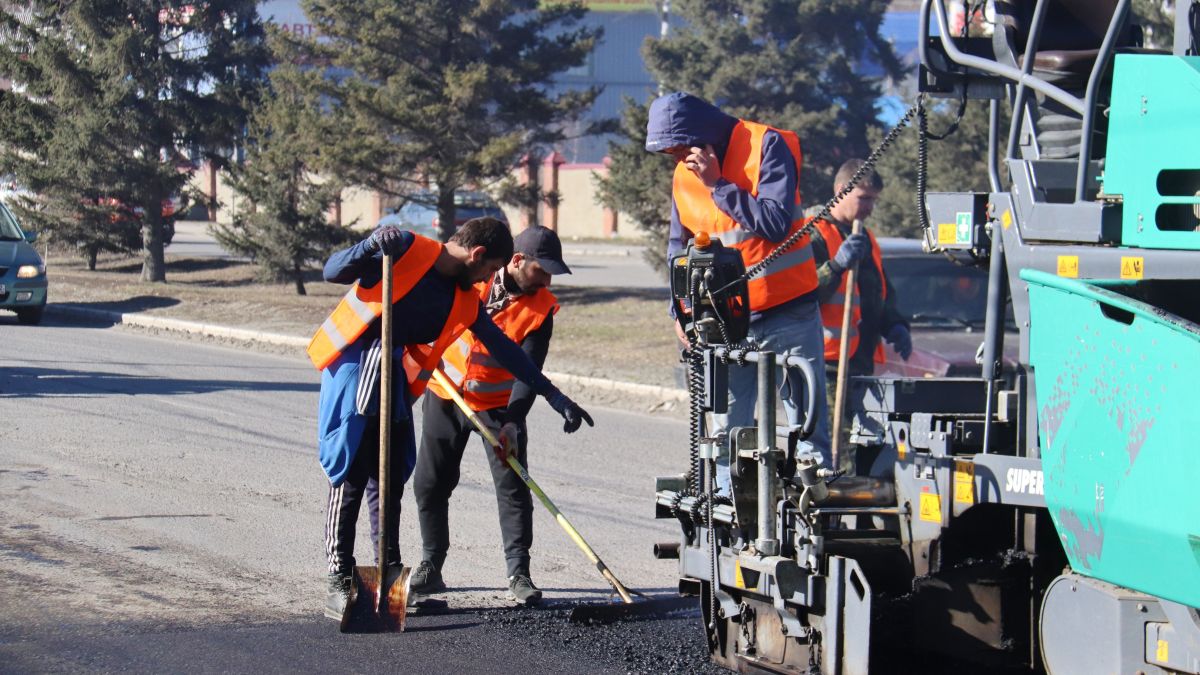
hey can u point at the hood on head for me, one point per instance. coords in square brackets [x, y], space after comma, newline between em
[682, 119]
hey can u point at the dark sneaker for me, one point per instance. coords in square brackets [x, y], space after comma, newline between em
[339, 596]
[426, 579]
[521, 589]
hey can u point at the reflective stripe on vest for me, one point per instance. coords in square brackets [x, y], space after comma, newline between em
[833, 309]
[484, 383]
[361, 306]
[481, 387]
[792, 274]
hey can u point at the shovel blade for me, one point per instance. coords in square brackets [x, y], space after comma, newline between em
[377, 606]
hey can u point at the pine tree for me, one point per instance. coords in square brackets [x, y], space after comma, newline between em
[792, 64]
[1157, 19]
[639, 185]
[143, 80]
[444, 93]
[288, 225]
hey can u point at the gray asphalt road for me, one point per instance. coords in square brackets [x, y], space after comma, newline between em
[160, 500]
[591, 264]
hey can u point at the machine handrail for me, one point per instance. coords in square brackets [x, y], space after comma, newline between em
[1007, 72]
[1031, 44]
[1024, 77]
[1106, 49]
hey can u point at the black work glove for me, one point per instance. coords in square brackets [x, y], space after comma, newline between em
[851, 251]
[573, 416]
[386, 239]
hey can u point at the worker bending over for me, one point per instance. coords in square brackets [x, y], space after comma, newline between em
[519, 302]
[435, 302]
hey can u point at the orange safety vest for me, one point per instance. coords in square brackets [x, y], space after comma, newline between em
[483, 382]
[792, 274]
[833, 309]
[361, 306]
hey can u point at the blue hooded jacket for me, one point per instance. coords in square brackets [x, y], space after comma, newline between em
[683, 119]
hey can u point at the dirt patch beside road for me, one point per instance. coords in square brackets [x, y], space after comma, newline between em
[606, 332]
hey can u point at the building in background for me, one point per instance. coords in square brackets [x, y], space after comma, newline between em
[616, 65]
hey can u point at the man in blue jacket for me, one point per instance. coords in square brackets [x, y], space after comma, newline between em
[348, 410]
[750, 203]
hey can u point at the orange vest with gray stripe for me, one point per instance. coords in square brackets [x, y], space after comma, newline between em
[792, 274]
[361, 306]
[482, 381]
[833, 309]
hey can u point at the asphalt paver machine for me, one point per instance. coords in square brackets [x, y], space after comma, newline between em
[1045, 515]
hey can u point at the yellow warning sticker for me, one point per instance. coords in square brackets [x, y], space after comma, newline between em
[738, 580]
[964, 482]
[1132, 267]
[1068, 266]
[1006, 218]
[1163, 652]
[931, 507]
[947, 233]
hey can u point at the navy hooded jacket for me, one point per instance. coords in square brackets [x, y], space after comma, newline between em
[683, 119]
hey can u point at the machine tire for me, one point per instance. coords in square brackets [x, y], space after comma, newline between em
[30, 316]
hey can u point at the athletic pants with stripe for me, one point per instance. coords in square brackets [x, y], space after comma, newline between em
[346, 498]
[445, 432]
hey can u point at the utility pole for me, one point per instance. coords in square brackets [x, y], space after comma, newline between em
[664, 29]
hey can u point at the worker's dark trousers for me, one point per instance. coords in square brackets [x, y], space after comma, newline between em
[445, 431]
[345, 499]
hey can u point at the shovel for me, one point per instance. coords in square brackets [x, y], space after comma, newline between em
[843, 374]
[626, 596]
[379, 594]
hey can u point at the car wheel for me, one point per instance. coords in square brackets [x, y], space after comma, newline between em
[30, 316]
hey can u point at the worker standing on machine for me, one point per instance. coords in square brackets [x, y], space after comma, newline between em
[836, 249]
[519, 302]
[738, 181]
[435, 296]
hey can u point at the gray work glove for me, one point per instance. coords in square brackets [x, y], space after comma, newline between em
[850, 252]
[573, 416]
[386, 239]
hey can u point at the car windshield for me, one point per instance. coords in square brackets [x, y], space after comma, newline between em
[421, 208]
[934, 291]
[9, 231]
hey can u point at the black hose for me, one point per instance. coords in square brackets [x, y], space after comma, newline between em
[923, 172]
[695, 361]
[868, 165]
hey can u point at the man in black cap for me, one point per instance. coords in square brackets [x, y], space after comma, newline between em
[519, 302]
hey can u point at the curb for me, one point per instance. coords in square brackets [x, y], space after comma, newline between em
[613, 252]
[240, 334]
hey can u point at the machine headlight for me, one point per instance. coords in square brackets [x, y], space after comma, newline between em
[30, 271]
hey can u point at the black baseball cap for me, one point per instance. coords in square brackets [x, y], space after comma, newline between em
[542, 244]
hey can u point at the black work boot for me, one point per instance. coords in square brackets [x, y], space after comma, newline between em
[521, 589]
[426, 579]
[338, 598]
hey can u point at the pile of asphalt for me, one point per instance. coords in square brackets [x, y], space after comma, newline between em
[671, 643]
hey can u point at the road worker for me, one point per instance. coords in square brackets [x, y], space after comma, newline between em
[435, 302]
[836, 249]
[738, 181]
[520, 303]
